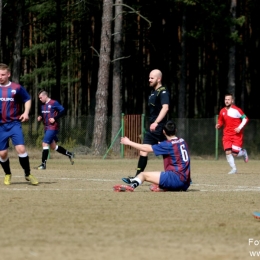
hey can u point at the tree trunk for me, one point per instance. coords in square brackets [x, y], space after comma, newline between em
[18, 43]
[1, 13]
[182, 88]
[100, 122]
[56, 92]
[116, 110]
[232, 53]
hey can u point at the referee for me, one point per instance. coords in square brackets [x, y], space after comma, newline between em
[158, 103]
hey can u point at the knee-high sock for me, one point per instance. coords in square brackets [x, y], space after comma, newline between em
[6, 165]
[45, 154]
[141, 164]
[241, 153]
[62, 150]
[231, 161]
[24, 162]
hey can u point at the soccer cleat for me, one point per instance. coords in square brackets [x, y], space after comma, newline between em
[71, 156]
[123, 188]
[233, 171]
[31, 179]
[256, 215]
[245, 156]
[7, 180]
[155, 188]
[42, 167]
[128, 180]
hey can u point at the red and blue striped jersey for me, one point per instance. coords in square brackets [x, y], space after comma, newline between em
[176, 156]
[52, 109]
[11, 98]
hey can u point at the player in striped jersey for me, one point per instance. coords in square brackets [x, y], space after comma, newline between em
[233, 119]
[12, 96]
[176, 174]
[51, 111]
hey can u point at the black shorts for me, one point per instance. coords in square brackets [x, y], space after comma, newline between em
[154, 137]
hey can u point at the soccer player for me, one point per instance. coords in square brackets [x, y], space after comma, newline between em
[233, 119]
[158, 103]
[12, 96]
[176, 174]
[50, 112]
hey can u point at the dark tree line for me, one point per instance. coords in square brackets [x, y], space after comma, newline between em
[203, 48]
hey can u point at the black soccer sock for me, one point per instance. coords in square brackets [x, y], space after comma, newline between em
[62, 150]
[24, 162]
[45, 154]
[6, 167]
[141, 164]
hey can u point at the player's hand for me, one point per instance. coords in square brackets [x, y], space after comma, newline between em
[125, 140]
[237, 130]
[39, 118]
[153, 126]
[24, 117]
[217, 126]
[51, 120]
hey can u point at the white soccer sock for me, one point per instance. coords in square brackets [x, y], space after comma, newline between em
[241, 153]
[231, 161]
[136, 182]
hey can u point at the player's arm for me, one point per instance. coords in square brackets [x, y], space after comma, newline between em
[160, 117]
[162, 114]
[141, 147]
[60, 109]
[242, 124]
[220, 121]
[27, 106]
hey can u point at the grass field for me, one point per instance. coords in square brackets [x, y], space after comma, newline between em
[74, 214]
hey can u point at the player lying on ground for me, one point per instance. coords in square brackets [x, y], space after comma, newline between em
[176, 174]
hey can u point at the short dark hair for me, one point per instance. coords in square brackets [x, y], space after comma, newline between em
[229, 94]
[170, 128]
[42, 91]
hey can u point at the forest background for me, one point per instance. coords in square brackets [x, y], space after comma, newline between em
[95, 56]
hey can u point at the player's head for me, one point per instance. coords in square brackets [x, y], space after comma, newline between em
[169, 128]
[155, 78]
[229, 99]
[4, 74]
[43, 96]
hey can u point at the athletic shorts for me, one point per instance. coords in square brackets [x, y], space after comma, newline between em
[233, 142]
[171, 181]
[50, 136]
[153, 137]
[12, 130]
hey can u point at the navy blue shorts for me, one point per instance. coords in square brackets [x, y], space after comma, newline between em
[50, 136]
[11, 130]
[171, 181]
[154, 137]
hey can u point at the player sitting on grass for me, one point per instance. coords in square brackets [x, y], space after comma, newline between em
[176, 174]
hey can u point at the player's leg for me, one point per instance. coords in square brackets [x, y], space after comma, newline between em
[4, 159]
[62, 150]
[5, 163]
[238, 143]
[18, 142]
[46, 142]
[227, 144]
[153, 177]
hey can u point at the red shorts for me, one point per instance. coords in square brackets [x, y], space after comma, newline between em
[233, 142]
